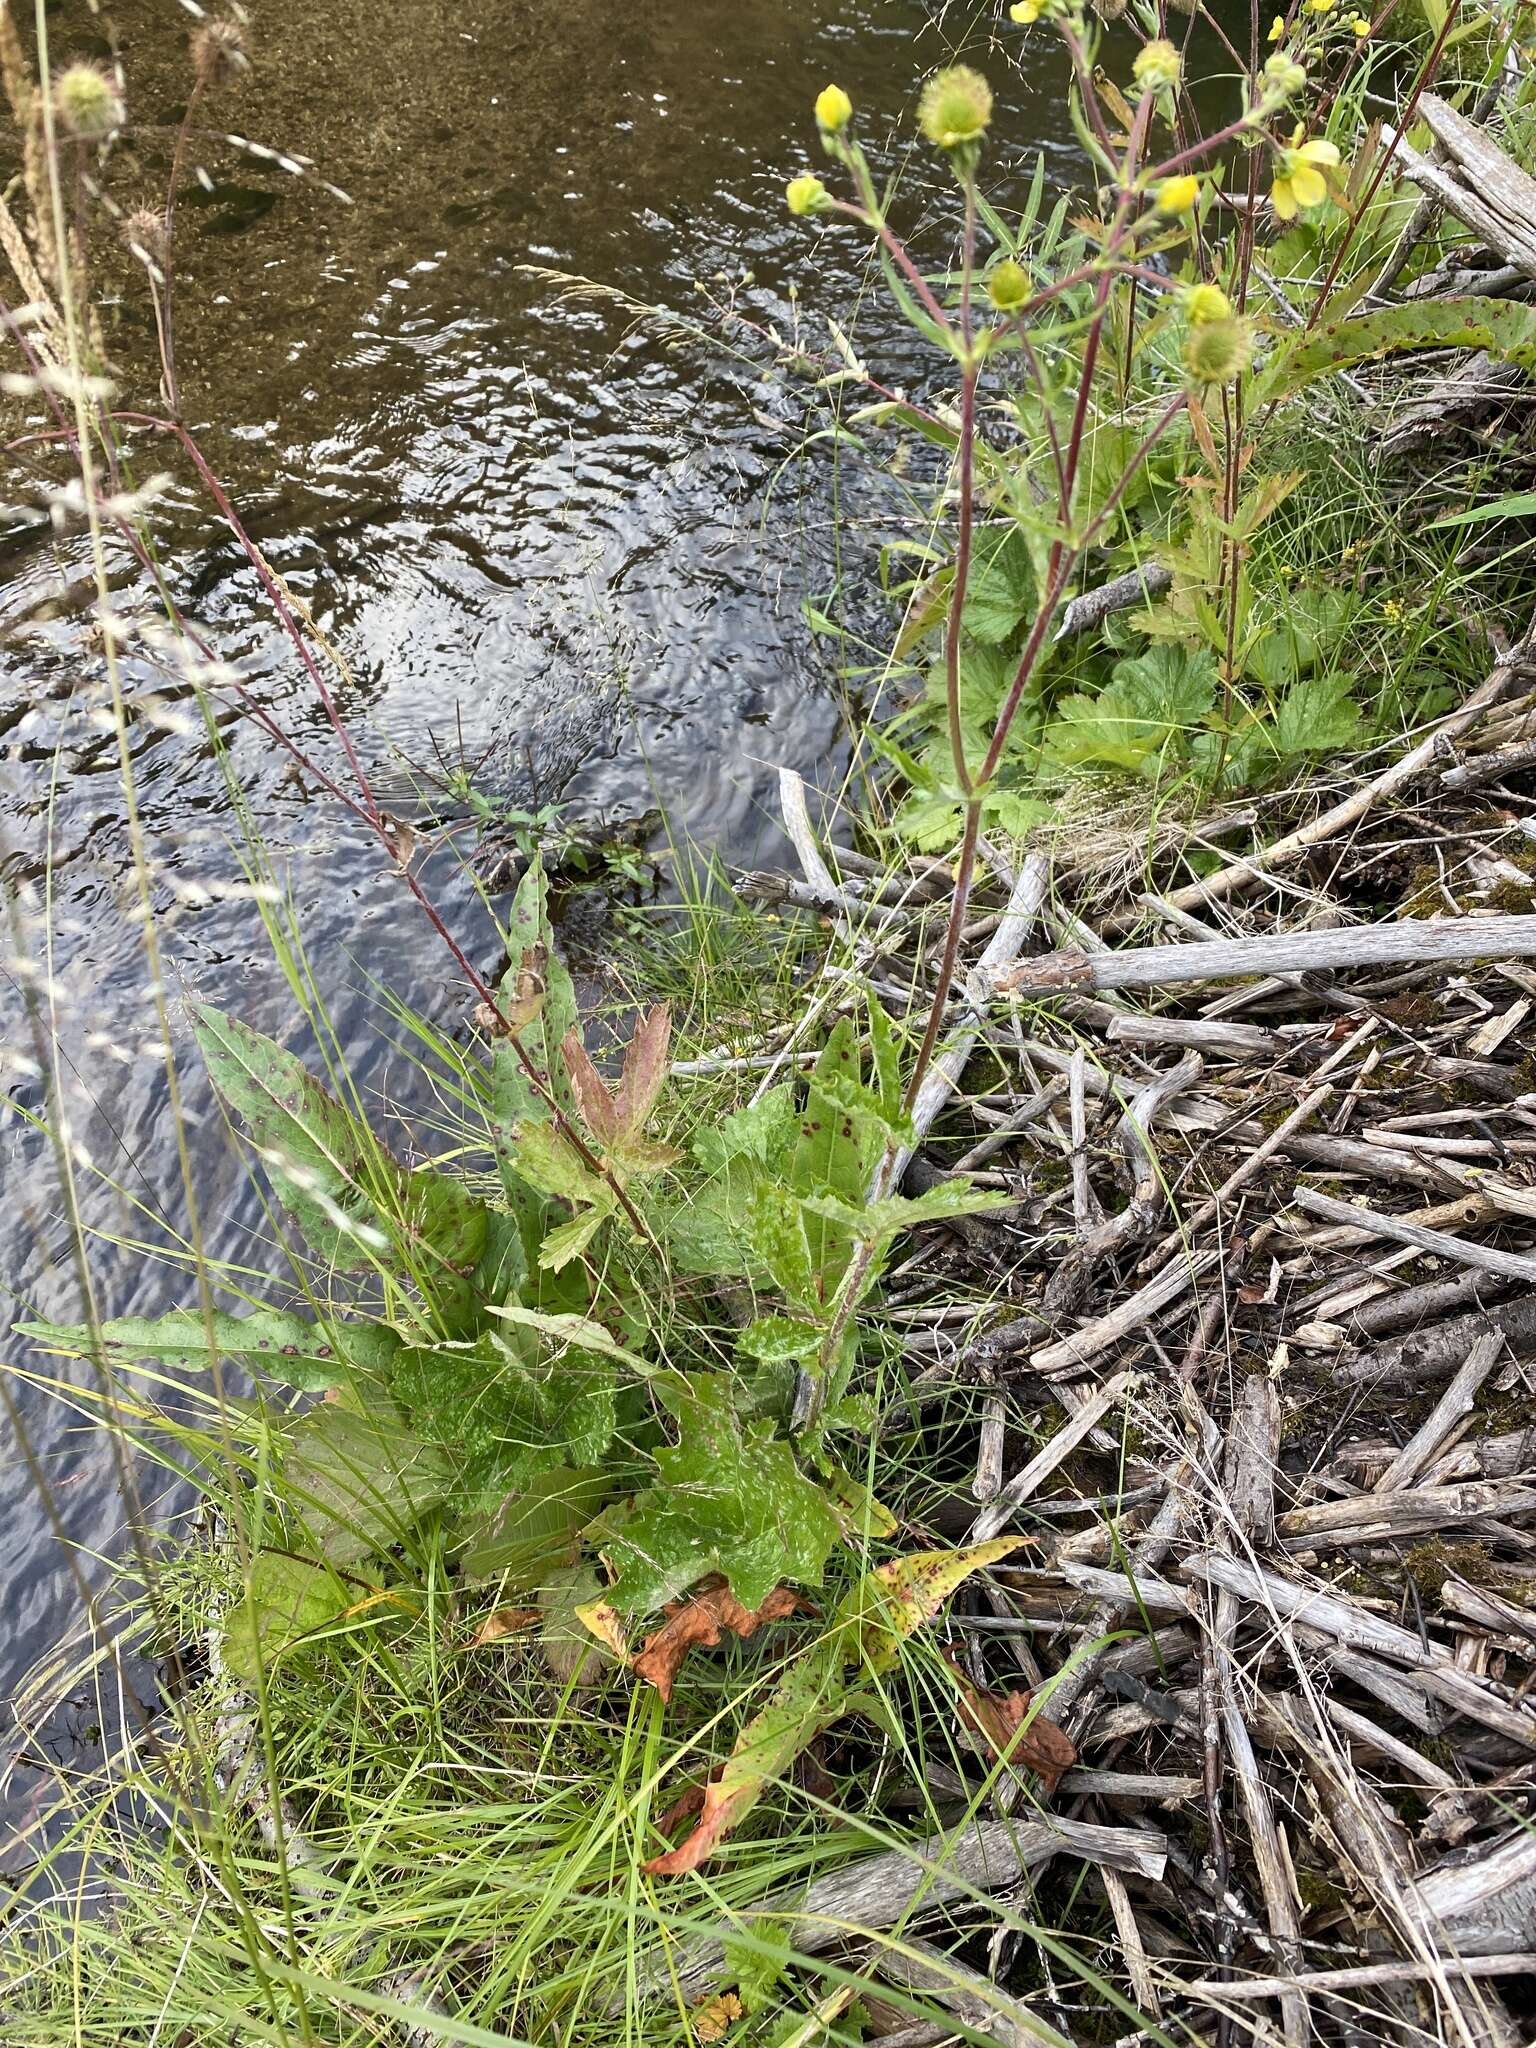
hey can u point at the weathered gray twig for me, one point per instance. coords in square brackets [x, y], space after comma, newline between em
[1369, 945]
[1486, 1257]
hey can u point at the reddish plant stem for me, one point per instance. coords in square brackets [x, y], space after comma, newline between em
[949, 958]
[869, 216]
[374, 817]
[172, 190]
[970, 371]
[1420, 87]
[1062, 559]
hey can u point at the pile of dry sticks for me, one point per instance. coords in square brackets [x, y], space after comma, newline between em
[1252, 1356]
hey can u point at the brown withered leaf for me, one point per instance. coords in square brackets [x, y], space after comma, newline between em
[645, 1071]
[528, 990]
[720, 1806]
[709, 1610]
[997, 1719]
[714, 2017]
[685, 1805]
[503, 1622]
[593, 1099]
[399, 837]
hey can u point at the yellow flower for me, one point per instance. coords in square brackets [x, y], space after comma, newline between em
[1157, 65]
[1300, 181]
[1176, 195]
[1204, 303]
[1008, 286]
[1361, 26]
[1321, 6]
[955, 107]
[1026, 11]
[1391, 609]
[1277, 29]
[834, 109]
[805, 194]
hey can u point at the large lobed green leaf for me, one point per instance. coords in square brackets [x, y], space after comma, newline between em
[728, 1499]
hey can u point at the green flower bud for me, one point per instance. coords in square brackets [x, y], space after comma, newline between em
[956, 107]
[806, 194]
[86, 103]
[1158, 65]
[1008, 287]
[1283, 78]
[1218, 351]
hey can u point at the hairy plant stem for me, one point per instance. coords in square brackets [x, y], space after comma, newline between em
[371, 813]
[172, 191]
[1063, 558]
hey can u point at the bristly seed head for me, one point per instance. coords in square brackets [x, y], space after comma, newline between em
[1218, 351]
[144, 236]
[955, 108]
[86, 103]
[219, 53]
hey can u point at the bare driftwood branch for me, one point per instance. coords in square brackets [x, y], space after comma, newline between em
[1455, 1403]
[1368, 945]
[999, 1512]
[1357, 1977]
[1147, 1189]
[1425, 1353]
[1077, 1351]
[1479, 183]
[943, 1077]
[1094, 606]
[879, 1891]
[1487, 1258]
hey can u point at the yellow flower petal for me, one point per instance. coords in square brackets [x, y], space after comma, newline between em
[1309, 186]
[1282, 199]
[1176, 195]
[1319, 153]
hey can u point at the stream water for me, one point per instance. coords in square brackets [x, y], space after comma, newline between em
[537, 535]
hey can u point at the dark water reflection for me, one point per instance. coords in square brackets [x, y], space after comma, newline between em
[532, 530]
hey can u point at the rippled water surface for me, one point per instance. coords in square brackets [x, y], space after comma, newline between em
[541, 540]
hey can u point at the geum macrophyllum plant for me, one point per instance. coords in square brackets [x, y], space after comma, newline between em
[492, 1375]
[1151, 205]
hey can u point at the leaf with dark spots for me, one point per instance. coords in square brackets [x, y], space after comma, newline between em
[708, 1612]
[310, 1356]
[524, 988]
